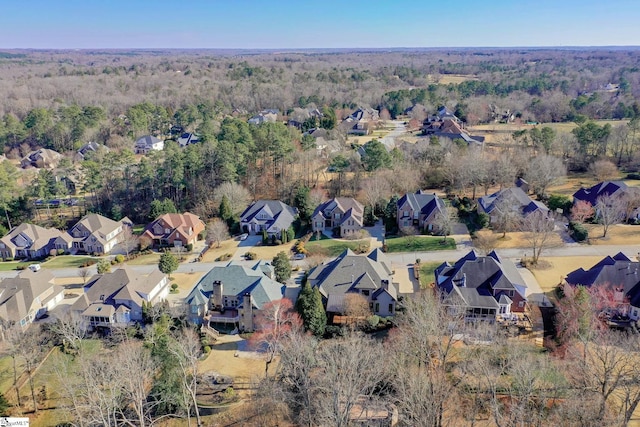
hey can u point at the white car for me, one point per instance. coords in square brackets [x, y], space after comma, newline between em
[34, 267]
[244, 236]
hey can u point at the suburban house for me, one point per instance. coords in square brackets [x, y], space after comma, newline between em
[445, 124]
[265, 116]
[368, 275]
[343, 214]
[116, 298]
[299, 116]
[229, 298]
[419, 210]
[174, 229]
[187, 138]
[605, 188]
[42, 158]
[27, 297]
[620, 276]
[94, 234]
[89, 149]
[148, 143]
[270, 215]
[481, 287]
[491, 204]
[29, 241]
[361, 122]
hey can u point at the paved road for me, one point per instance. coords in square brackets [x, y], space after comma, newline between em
[389, 140]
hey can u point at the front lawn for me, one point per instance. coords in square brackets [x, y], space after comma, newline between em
[9, 265]
[426, 273]
[331, 247]
[68, 261]
[418, 244]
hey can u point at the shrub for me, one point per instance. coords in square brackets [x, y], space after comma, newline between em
[559, 201]
[251, 256]
[206, 349]
[119, 259]
[277, 242]
[9, 259]
[224, 257]
[60, 251]
[578, 232]
[373, 321]
[21, 266]
[332, 331]
[174, 288]
[633, 176]
[483, 220]
[189, 247]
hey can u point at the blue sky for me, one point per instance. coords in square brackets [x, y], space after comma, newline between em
[319, 24]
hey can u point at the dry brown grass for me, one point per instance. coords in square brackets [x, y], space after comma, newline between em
[515, 239]
[226, 247]
[270, 252]
[620, 234]
[222, 360]
[559, 267]
[446, 79]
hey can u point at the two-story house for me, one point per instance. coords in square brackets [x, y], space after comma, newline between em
[270, 215]
[174, 229]
[229, 298]
[94, 234]
[515, 198]
[42, 158]
[148, 143]
[419, 210]
[117, 298]
[342, 214]
[368, 275]
[480, 288]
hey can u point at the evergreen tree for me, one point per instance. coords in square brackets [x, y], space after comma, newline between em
[225, 210]
[168, 263]
[282, 267]
[309, 306]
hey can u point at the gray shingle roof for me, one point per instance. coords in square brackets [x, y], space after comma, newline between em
[478, 279]
[526, 204]
[237, 280]
[349, 272]
[282, 214]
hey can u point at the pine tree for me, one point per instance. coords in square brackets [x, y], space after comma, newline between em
[225, 209]
[311, 310]
[282, 267]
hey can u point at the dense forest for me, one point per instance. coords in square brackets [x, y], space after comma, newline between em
[63, 99]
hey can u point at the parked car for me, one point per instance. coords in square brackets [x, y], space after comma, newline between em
[298, 257]
[34, 267]
[244, 236]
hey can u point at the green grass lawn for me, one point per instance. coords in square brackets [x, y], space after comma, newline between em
[9, 265]
[68, 261]
[426, 273]
[418, 244]
[330, 247]
[138, 229]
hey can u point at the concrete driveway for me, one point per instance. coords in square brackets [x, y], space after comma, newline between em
[535, 295]
[377, 234]
[245, 246]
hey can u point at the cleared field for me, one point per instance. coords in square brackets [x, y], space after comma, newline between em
[446, 79]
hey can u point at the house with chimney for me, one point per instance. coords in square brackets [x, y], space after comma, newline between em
[94, 233]
[368, 275]
[228, 298]
[271, 216]
[29, 241]
[445, 124]
[514, 198]
[481, 288]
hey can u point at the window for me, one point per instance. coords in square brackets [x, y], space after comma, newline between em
[510, 293]
[377, 310]
[365, 292]
[390, 308]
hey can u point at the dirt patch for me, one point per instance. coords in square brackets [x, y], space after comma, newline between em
[559, 267]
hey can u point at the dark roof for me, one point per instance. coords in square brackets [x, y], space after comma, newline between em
[421, 202]
[282, 214]
[527, 205]
[478, 280]
[616, 271]
[601, 189]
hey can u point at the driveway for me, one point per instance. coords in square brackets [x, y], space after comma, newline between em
[534, 294]
[245, 246]
[389, 140]
[377, 234]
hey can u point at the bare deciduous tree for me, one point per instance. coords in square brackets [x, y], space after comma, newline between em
[543, 171]
[217, 231]
[129, 240]
[237, 195]
[444, 221]
[603, 170]
[538, 227]
[610, 210]
[186, 348]
[84, 273]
